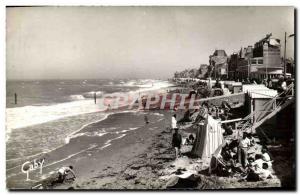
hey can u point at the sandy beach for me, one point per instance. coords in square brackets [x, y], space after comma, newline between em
[121, 152]
[126, 136]
[150, 98]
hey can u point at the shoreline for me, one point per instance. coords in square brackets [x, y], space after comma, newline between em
[76, 143]
[137, 159]
[85, 118]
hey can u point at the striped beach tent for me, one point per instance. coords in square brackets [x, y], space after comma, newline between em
[209, 137]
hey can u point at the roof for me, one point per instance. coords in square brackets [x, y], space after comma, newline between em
[220, 52]
[259, 91]
[261, 94]
[233, 83]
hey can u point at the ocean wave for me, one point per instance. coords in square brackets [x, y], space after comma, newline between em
[77, 97]
[20, 117]
[91, 94]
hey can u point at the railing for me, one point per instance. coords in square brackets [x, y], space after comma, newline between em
[256, 118]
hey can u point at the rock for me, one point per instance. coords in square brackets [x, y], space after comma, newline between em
[129, 177]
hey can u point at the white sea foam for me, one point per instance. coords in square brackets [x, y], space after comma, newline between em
[20, 117]
[158, 114]
[77, 97]
[126, 130]
[91, 94]
[105, 146]
[109, 141]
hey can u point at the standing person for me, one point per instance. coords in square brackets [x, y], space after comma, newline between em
[217, 85]
[243, 150]
[95, 97]
[283, 85]
[279, 84]
[266, 82]
[270, 84]
[176, 142]
[283, 88]
[173, 122]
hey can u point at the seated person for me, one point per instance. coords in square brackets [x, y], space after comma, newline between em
[264, 173]
[266, 157]
[250, 164]
[186, 117]
[250, 161]
[63, 172]
[251, 138]
[225, 105]
[228, 129]
[187, 141]
[192, 138]
[258, 163]
[226, 154]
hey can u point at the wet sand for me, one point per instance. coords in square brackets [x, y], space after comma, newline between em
[126, 136]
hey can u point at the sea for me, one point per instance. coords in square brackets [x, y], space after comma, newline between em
[49, 113]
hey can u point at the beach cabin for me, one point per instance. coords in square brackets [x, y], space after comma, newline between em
[257, 97]
[234, 87]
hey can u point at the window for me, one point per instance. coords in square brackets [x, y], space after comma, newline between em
[260, 61]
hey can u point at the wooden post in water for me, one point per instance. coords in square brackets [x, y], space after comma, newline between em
[16, 98]
[95, 97]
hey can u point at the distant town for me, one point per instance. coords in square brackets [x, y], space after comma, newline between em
[261, 61]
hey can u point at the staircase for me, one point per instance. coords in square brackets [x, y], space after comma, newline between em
[270, 109]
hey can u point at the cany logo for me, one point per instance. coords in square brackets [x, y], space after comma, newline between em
[29, 166]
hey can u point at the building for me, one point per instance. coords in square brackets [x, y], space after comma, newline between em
[203, 71]
[238, 63]
[219, 61]
[232, 65]
[243, 68]
[262, 61]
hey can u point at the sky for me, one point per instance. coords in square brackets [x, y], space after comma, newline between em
[132, 42]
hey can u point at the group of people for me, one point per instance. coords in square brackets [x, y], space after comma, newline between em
[236, 158]
[198, 115]
[239, 156]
